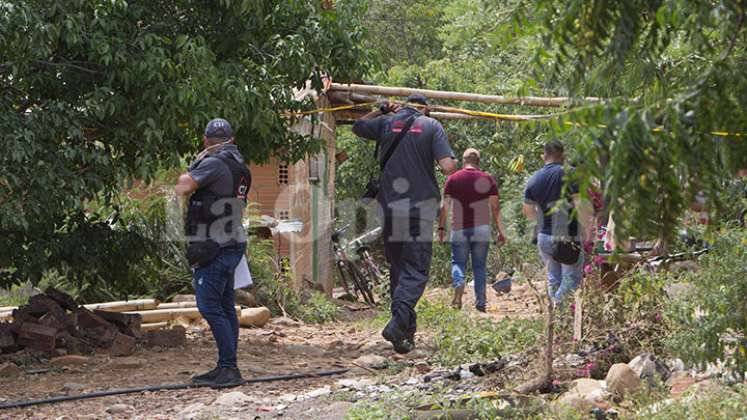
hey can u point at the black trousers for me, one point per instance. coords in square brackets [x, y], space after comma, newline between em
[408, 247]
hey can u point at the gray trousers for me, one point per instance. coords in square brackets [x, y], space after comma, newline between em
[408, 246]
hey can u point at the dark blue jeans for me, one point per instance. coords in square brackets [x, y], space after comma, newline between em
[408, 247]
[471, 242]
[215, 300]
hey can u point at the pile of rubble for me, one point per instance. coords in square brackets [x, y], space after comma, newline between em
[55, 324]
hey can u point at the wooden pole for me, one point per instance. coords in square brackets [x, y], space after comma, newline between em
[176, 305]
[154, 326]
[550, 339]
[124, 305]
[160, 315]
[461, 96]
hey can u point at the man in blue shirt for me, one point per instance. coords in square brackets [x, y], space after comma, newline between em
[218, 183]
[550, 200]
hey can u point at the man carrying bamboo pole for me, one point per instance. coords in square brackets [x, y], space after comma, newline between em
[408, 145]
[220, 181]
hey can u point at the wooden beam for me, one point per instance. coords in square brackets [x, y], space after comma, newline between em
[462, 96]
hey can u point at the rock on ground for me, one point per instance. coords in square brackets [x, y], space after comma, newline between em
[679, 383]
[647, 367]
[370, 361]
[119, 409]
[9, 370]
[584, 392]
[621, 379]
[232, 399]
[192, 411]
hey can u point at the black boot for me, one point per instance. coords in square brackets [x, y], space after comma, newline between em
[206, 378]
[402, 345]
[227, 378]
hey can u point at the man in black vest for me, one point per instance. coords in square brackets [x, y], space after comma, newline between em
[220, 181]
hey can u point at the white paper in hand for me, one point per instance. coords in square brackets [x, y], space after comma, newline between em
[241, 276]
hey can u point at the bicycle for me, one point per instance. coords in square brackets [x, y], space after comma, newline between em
[363, 280]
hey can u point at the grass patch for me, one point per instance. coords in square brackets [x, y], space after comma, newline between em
[462, 338]
[17, 295]
[727, 403]
[318, 309]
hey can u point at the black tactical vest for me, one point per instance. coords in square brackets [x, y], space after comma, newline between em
[201, 214]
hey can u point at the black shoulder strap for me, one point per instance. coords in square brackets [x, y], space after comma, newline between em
[242, 177]
[397, 140]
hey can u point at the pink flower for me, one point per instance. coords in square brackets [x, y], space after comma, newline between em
[607, 246]
[598, 260]
[657, 317]
[588, 269]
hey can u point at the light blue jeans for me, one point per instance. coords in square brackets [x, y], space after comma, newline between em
[471, 242]
[562, 279]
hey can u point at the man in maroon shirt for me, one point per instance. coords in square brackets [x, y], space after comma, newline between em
[472, 196]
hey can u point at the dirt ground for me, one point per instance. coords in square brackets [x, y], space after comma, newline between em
[273, 350]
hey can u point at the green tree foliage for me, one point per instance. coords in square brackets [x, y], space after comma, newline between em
[674, 73]
[96, 93]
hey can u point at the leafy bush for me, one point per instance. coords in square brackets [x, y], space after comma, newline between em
[630, 318]
[318, 309]
[709, 320]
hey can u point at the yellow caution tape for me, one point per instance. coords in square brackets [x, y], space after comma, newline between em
[497, 117]
[333, 109]
[661, 130]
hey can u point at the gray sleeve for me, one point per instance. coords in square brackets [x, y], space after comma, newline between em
[369, 129]
[440, 144]
[207, 172]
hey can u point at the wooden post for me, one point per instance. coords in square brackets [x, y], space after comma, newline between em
[578, 313]
[550, 339]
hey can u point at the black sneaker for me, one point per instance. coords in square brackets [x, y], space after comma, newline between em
[227, 378]
[206, 378]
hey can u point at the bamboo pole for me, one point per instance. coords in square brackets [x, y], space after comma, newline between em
[7, 308]
[160, 315]
[6, 316]
[176, 305]
[461, 96]
[124, 305]
[152, 326]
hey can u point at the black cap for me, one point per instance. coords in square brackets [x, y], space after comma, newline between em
[219, 128]
[417, 99]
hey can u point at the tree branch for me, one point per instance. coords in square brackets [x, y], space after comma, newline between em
[733, 41]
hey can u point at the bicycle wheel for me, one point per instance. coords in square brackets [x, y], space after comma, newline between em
[363, 283]
[344, 280]
[375, 274]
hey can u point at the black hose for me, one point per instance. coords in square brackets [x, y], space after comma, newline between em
[169, 387]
